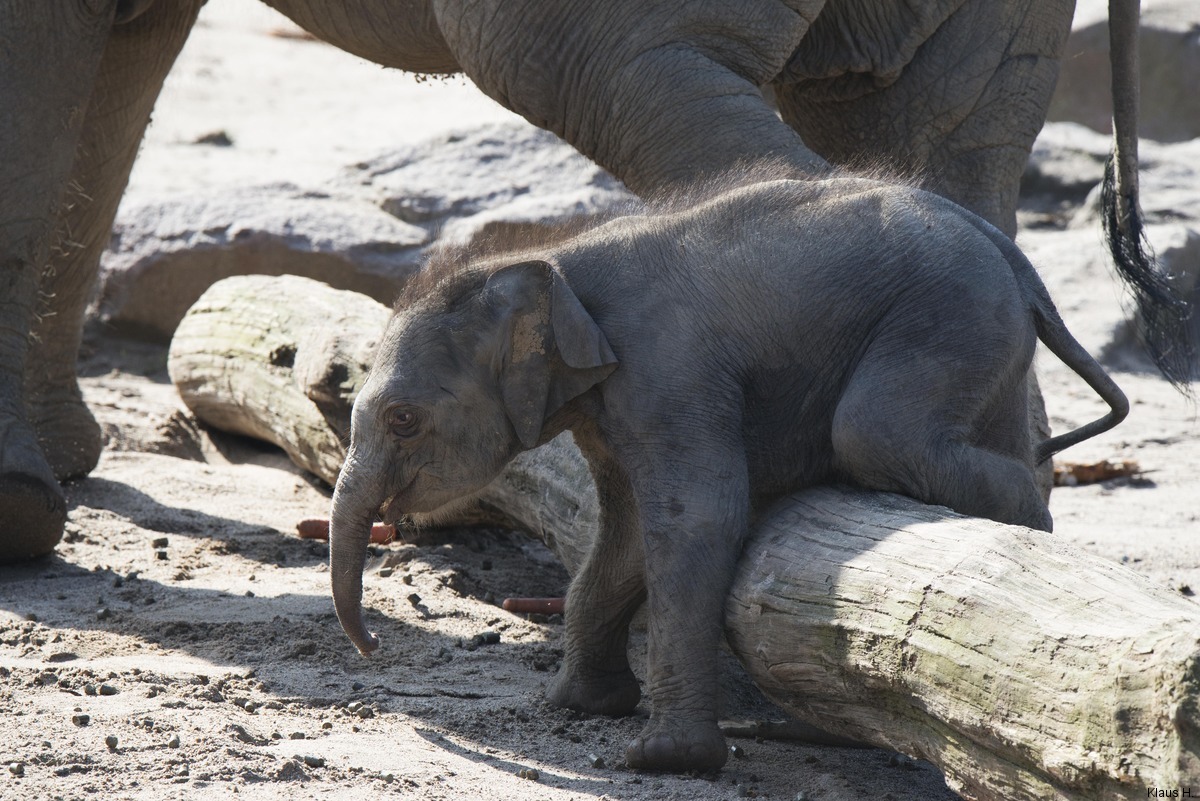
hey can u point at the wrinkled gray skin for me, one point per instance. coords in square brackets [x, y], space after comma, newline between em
[660, 92]
[706, 361]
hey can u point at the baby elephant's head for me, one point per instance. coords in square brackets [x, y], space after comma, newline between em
[465, 378]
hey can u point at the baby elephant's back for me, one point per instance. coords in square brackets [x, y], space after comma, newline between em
[822, 260]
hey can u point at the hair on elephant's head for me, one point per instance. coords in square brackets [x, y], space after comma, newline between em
[466, 376]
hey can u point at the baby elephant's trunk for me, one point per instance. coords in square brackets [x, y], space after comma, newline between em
[354, 505]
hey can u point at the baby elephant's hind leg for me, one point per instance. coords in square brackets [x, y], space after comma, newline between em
[928, 454]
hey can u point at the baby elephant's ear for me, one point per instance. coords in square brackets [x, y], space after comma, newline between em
[551, 349]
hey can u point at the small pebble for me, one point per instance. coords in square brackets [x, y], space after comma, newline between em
[388, 778]
[111, 742]
[365, 712]
[81, 720]
[161, 555]
[529, 773]
[358, 686]
[327, 725]
[296, 735]
[385, 572]
[103, 613]
[314, 761]
[737, 751]
[483, 638]
[414, 599]
[173, 742]
[16, 768]
[159, 542]
[595, 760]
[89, 689]
[407, 579]
[108, 689]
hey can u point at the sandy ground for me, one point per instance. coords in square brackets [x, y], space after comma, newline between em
[181, 642]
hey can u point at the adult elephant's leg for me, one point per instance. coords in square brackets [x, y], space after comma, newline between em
[49, 56]
[660, 94]
[136, 60]
[962, 117]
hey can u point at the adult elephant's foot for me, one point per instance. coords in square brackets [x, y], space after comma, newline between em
[678, 746]
[32, 508]
[614, 693]
[67, 432]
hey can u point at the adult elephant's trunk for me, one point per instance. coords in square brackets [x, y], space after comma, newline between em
[355, 501]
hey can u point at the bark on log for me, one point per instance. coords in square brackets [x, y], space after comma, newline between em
[1021, 666]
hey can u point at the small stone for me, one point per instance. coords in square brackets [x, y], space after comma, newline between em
[214, 138]
[161, 555]
[89, 689]
[388, 778]
[737, 751]
[17, 769]
[529, 773]
[31, 617]
[801, 796]
[358, 686]
[414, 599]
[386, 572]
[111, 742]
[365, 712]
[354, 706]
[159, 542]
[326, 725]
[406, 578]
[103, 613]
[595, 760]
[314, 761]
[484, 638]
[81, 720]
[173, 742]
[296, 735]
[107, 689]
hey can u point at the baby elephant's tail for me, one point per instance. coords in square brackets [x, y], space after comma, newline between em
[1052, 331]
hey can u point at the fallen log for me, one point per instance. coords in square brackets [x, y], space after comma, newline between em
[1021, 666]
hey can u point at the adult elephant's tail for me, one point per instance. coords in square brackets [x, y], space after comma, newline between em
[1163, 314]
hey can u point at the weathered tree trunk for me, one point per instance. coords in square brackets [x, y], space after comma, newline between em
[1021, 666]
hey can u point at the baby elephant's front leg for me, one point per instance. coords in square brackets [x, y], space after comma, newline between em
[694, 514]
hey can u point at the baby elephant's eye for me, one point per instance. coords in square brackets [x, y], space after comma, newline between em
[403, 421]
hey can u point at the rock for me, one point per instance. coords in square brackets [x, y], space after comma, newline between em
[368, 231]
[165, 252]
[487, 180]
[1170, 62]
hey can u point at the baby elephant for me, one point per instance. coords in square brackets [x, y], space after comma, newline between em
[707, 358]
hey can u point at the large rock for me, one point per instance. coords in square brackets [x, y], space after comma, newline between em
[368, 231]
[1170, 66]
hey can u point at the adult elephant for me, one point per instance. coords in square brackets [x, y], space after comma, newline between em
[659, 92]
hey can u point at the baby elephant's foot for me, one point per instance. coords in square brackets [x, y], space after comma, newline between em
[678, 747]
[615, 693]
